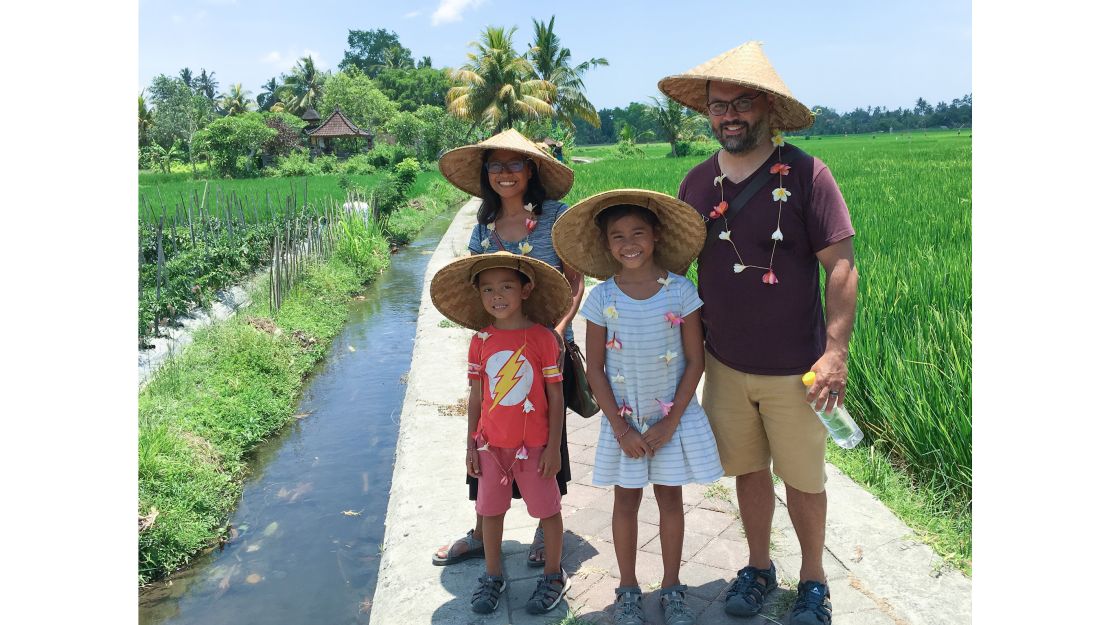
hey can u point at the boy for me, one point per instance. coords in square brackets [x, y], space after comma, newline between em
[516, 409]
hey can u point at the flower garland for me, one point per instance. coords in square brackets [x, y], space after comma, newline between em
[524, 246]
[673, 320]
[780, 195]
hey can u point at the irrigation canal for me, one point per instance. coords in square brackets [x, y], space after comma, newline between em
[311, 520]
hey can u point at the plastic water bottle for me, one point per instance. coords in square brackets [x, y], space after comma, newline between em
[837, 421]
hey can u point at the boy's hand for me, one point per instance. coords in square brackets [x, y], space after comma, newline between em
[633, 445]
[550, 462]
[473, 468]
[660, 434]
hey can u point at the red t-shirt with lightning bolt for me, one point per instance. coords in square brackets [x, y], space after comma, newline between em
[513, 366]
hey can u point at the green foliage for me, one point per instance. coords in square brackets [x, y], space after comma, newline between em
[328, 163]
[551, 62]
[296, 163]
[178, 111]
[407, 128]
[405, 173]
[384, 155]
[373, 51]
[287, 137]
[233, 142]
[359, 98]
[304, 86]
[357, 164]
[413, 88]
[440, 132]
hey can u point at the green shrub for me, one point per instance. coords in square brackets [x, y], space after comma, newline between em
[387, 155]
[357, 165]
[296, 163]
[327, 163]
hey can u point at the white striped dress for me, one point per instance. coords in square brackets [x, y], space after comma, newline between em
[639, 374]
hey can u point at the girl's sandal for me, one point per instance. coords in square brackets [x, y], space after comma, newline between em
[535, 558]
[549, 592]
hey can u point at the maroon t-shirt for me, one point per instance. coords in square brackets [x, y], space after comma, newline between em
[776, 329]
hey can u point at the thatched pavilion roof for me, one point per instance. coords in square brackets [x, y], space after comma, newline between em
[310, 115]
[337, 126]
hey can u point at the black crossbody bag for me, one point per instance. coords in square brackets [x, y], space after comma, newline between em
[738, 202]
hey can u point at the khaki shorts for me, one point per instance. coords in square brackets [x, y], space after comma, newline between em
[763, 421]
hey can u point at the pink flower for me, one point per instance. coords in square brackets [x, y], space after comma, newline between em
[530, 224]
[625, 410]
[522, 453]
[718, 210]
[665, 406]
[780, 168]
[505, 480]
[673, 319]
[770, 277]
[614, 344]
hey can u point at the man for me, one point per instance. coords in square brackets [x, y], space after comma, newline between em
[758, 276]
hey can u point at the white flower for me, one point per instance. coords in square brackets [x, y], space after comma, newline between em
[725, 234]
[777, 139]
[669, 356]
[611, 311]
[525, 247]
[492, 226]
[483, 335]
[664, 281]
[485, 242]
[618, 379]
[717, 180]
[528, 207]
[780, 194]
[737, 268]
[528, 407]
[777, 234]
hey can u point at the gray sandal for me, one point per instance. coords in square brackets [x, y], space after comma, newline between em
[547, 595]
[675, 609]
[628, 608]
[537, 546]
[488, 594]
[474, 549]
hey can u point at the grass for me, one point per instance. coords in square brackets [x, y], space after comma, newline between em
[235, 385]
[910, 366]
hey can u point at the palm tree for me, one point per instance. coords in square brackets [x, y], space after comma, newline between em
[146, 120]
[305, 86]
[672, 119]
[552, 63]
[186, 75]
[425, 61]
[236, 101]
[269, 95]
[206, 84]
[164, 157]
[498, 85]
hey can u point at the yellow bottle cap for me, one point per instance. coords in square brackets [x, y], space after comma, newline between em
[809, 378]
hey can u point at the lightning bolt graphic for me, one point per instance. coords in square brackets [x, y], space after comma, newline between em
[506, 377]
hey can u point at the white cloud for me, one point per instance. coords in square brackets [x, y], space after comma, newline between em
[451, 10]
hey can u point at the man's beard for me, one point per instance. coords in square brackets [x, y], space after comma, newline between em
[747, 142]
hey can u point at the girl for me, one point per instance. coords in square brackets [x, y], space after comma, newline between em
[644, 359]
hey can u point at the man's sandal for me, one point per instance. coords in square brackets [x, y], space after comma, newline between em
[472, 548]
[488, 594]
[746, 594]
[547, 594]
[535, 561]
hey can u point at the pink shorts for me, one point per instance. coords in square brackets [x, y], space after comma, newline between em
[540, 494]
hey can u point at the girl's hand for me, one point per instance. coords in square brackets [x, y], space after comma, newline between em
[550, 462]
[633, 445]
[473, 469]
[660, 434]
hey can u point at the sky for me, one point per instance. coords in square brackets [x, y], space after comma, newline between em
[843, 54]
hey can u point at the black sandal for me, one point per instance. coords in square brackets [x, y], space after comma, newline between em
[746, 595]
[547, 595]
[488, 595]
[537, 546]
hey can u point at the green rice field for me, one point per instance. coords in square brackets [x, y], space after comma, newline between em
[909, 380]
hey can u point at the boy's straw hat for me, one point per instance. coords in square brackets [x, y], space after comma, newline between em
[580, 243]
[462, 167]
[747, 66]
[455, 294]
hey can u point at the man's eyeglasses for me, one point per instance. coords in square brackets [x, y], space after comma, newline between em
[497, 167]
[740, 105]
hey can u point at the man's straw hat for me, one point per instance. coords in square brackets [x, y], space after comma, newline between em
[747, 66]
[579, 242]
[462, 167]
[455, 294]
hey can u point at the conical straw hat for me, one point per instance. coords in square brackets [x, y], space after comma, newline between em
[747, 66]
[455, 295]
[462, 167]
[579, 242]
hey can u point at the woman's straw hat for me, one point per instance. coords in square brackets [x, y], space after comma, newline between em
[579, 241]
[747, 66]
[455, 294]
[462, 167]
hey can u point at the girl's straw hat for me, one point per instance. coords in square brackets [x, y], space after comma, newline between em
[462, 167]
[455, 294]
[745, 66]
[581, 244]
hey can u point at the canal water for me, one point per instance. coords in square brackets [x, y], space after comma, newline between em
[310, 524]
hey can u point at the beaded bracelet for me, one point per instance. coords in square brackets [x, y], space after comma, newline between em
[626, 430]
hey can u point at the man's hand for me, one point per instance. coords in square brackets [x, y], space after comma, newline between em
[550, 461]
[832, 377]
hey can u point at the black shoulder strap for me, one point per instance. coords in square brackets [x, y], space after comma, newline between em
[738, 202]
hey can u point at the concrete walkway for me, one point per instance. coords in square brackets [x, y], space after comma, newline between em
[877, 572]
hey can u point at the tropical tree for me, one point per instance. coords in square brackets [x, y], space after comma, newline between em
[412, 88]
[305, 86]
[269, 95]
[498, 86]
[359, 98]
[186, 76]
[206, 85]
[551, 62]
[673, 121]
[146, 121]
[425, 61]
[236, 101]
[373, 50]
[396, 57]
[233, 142]
[162, 157]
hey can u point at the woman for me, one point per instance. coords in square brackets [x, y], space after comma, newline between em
[520, 186]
